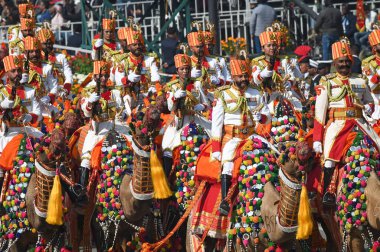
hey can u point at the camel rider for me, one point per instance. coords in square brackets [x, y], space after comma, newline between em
[42, 77]
[27, 23]
[210, 44]
[371, 69]
[342, 99]
[187, 102]
[205, 70]
[107, 44]
[139, 70]
[101, 104]
[238, 109]
[27, 27]
[58, 61]
[118, 59]
[18, 105]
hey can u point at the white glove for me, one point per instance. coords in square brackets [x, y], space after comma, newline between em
[368, 109]
[199, 107]
[256, 116]
[99, 43]
[24, 78]
[266, 73]
[26, 118]
[378, 71]
[132, 77]
[93, 98]
[152, 89]
[45, 100]
[307, 86]
[7, 104]
[214, 80]
[196, 73]
[217, 155]
[317, 147]
[179, 93]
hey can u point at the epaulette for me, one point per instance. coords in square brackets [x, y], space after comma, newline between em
[220, 89]
[13, 27]
[368, 59]
[171, 83]
[258, 58]
[330, 76]
[120, 57]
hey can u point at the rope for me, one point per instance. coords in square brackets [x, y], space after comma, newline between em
[156, 246]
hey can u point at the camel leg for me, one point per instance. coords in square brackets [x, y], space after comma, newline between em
[356, 242]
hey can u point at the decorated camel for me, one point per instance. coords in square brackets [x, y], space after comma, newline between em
[33, 200]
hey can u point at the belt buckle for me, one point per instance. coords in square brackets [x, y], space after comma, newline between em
[350, 113]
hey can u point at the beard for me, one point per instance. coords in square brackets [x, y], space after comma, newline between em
[344, 70]
[242, 84]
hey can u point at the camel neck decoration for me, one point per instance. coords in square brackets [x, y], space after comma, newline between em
[193, 140]
[258, 168]
[352, 202]
[15, 221]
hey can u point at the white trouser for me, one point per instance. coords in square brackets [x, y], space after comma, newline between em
[92, 139]
[228, 155]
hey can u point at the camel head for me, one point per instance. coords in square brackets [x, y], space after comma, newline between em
[57, 146]
[71, 123]
[296, 159]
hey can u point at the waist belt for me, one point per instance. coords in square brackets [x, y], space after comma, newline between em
[239, 131]
[345, 113]
[103, 117]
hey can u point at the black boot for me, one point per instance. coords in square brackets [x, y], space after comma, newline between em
[328, 197]
[80, 189]
[168, 164]
[224, 207]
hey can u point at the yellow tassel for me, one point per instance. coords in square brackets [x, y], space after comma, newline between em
[160, 183]
[55, 210]
[305, 221]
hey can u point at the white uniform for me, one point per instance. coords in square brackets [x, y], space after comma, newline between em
[235, 121]
[371, 69]
[195, 95]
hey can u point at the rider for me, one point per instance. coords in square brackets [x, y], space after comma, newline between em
[101, 104]
[57, 61]
[18, 105]
[187, 101]
[341, 101]
[107, 44]
[371, 69]
[238, 109]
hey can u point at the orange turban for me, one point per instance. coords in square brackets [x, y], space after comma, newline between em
[239, 67]
[12, 62]
[374, 37]
[181, 60]
[109, 24]
[341, 49]
[195, 39]
[209, 38]
[133, 36]
[26, 10]
[268, 37]
[45, 34]
[27, 23]
[31, 44]
[122, 33]
[100, 66]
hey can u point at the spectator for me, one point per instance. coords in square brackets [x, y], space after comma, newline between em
[356, 64]
[348, 23]
[262, 17]
[361, 38]
[44, 14]
[324, 67]
[9, 13]
[75, 40]
[329, 22]
[69, 12]
[58, 20]
[314, 76]
[169, 46]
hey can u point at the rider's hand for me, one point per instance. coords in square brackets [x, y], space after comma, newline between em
[99, 43]
[93, 98]
[217, 155]
[196, 73]
[179, 94]
[132, 77]
[266, 73]
[199, 107]
[7, 104]
[317, 147]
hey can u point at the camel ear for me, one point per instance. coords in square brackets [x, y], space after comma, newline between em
[276, 202]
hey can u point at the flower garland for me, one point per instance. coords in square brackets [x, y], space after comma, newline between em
[360, 160]
[117, 161]
[15, 220]
[193, 140]
[258, 168]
